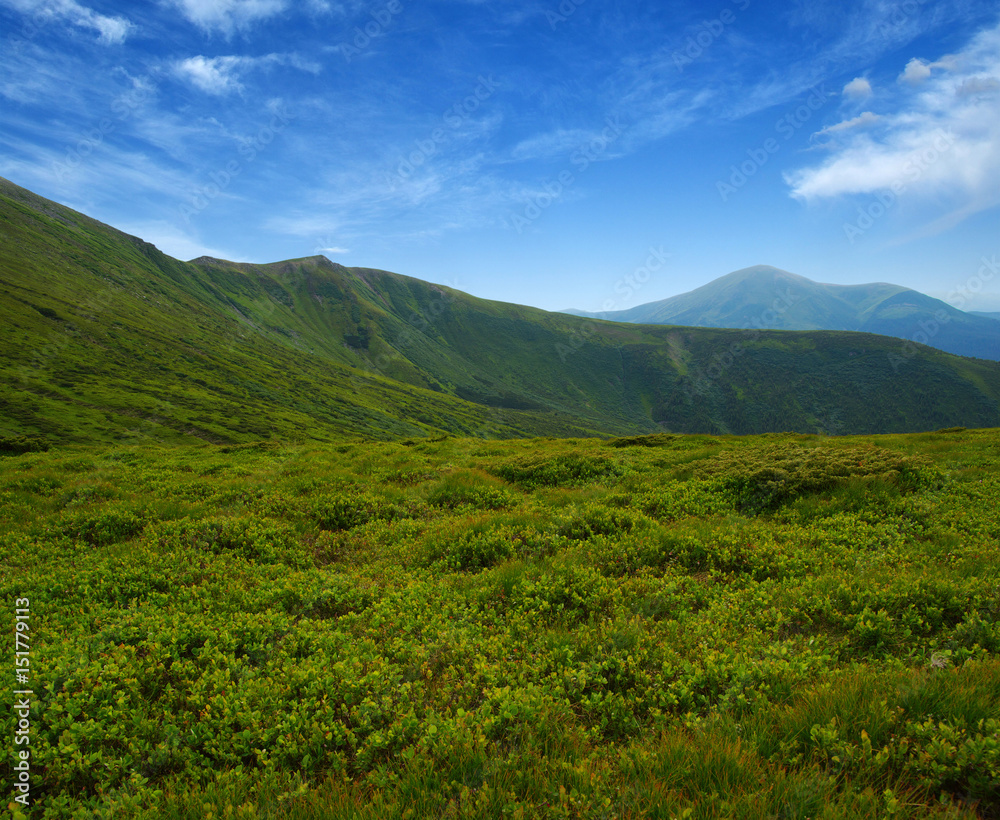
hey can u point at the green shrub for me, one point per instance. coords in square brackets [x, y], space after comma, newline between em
[472, 489]
[16, 445]
[758, 479]
[107, 526]
[648, 649]
[567, 592]
[252, 538]
[598, 519]
[674, 500]
[567, 470]
[652, 440]
[349, 510]
[472, 548]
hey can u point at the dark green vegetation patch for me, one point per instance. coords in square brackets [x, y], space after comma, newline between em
[765, 478]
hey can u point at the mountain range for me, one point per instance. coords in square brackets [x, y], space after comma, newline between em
[766, 297]
[107, 339]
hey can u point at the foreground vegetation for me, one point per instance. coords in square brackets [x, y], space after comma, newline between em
[661, 626]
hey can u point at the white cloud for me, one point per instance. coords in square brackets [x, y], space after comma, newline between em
[221, 75]
[301, 225]
[858, 89]
[916, 72]
[860, 121]
[110, 30]
[561, 142]
[978, 85]
[226, 16]
[213, 75]
[943, 146]
[333, 250]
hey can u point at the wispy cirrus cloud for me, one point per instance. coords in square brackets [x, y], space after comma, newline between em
[178, 243]
[557, 143]
[866, 31]
[110, 30]
[213, 75]
[861, 121]
[222, 75]
[227, 16]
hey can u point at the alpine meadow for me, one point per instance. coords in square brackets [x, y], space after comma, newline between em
[297, 540]
[523, 410]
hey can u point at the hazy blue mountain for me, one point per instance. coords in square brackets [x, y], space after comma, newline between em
[766, 297]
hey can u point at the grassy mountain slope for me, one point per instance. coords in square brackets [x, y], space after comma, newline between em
[106, 338]
[509, 356]
[766, 297]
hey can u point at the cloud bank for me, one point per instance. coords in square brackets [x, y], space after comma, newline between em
[942, 141]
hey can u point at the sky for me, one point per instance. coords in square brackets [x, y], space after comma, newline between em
[554, 153]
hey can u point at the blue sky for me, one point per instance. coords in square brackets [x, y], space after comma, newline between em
[580, 153]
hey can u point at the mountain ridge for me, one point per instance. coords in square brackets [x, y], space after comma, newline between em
[770, 298]
[109, 339]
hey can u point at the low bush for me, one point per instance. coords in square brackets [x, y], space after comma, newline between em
[762, 478]
[252, 538]
[348, 510]
[17, 445]
[473, 489]
[110, 525]
[565, 470]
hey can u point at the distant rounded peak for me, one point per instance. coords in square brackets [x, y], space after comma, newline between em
[210, 261]
[318, 259]
[761, 271]
[307, 261]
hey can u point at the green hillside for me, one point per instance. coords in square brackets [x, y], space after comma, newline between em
[108, 339]
[766, 297]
